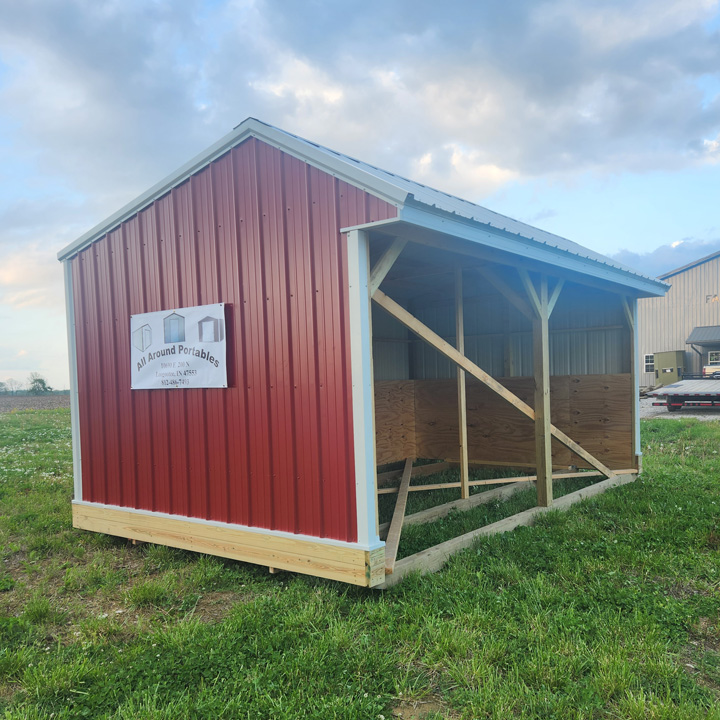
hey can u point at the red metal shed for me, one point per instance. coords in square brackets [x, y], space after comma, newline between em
[274, 461]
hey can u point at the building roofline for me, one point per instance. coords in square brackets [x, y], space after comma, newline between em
[484, 225]
[247, 129]
[689, 266]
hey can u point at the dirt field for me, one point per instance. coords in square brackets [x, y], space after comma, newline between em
[8, 403]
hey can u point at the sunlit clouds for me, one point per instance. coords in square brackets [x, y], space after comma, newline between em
[597, 121]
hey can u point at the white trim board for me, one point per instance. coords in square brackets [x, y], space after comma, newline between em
[362, 386]
[74, 397]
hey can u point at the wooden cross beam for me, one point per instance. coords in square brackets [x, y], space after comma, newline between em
[442, 346]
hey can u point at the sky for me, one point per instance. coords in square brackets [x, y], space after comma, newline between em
[595, 120]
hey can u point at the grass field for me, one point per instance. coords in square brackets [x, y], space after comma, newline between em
[610, 610]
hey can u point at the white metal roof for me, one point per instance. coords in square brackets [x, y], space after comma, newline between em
[393, 188]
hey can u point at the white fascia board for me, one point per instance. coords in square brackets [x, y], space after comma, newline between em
[316, 157]
[527, 248]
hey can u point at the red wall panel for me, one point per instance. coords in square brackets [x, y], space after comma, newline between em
[259, 230]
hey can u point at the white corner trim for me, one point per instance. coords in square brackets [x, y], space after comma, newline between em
[362, 386]
[635, 350]
[74, 401]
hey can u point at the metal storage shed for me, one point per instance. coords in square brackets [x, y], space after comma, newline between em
[485, 330]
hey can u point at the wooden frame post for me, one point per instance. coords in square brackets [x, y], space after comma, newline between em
[446, 349]
[543, 307]
[462, 398]
[541, 372]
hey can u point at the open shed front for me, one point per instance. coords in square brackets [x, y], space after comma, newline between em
[482, 357]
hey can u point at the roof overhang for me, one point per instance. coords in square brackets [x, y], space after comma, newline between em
[460, 235]
[705, 335]
[450, 220]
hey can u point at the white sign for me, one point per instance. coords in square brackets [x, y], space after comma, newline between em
[180, 348]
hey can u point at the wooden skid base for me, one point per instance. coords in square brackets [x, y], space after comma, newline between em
[432, 559]
[334, 562]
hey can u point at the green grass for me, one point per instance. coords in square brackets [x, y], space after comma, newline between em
[610, 610]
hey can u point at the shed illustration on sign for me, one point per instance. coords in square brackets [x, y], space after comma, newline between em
[174, 328]
[210, 330]
[142, 338]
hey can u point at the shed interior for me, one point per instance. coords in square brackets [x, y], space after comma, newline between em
[480, 301]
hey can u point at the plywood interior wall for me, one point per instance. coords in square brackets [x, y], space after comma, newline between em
[418, 418]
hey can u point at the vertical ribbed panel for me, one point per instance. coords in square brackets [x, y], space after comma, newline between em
[588, 336]
[665, 323]
[258, 230]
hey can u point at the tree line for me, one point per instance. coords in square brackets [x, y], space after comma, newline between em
[35, 384]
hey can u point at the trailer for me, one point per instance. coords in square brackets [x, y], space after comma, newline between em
[691, 391]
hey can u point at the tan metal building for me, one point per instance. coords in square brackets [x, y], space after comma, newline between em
[686, 319]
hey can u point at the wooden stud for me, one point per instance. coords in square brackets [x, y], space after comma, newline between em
[462, 399]
[417, 471]
[432, 559]
[383, 265]
[433, 339]
[500, 481]
[439, 511]
[393, 538]
[541, 372]
[487, 496]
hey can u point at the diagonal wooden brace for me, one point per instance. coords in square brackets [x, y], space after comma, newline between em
[384, 264]
[393, 537]
[446, 349]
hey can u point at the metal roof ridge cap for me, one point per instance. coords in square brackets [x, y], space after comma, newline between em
[251, 127]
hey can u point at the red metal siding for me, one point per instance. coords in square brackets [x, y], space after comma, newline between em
[259, 230]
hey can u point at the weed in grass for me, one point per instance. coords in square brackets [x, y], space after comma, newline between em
[40, 611]
[6, 582]
[150, 593]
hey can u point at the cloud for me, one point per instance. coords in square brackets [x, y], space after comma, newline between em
[668, 257]
[31, 277]
[101, 99]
